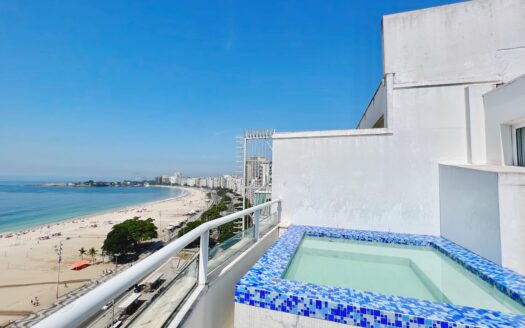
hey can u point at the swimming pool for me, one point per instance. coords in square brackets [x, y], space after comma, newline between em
[289, 284]
[419, 272]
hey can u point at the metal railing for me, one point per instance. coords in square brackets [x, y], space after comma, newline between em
[84, 308]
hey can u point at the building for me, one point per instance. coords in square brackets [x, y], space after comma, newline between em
[233, 183]
[257, 169]
[436, 159]
[437, 112]
[191, 182]
[257, 176]
[178, 178]
[166, 179]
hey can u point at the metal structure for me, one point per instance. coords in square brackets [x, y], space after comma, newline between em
[255, 167]
[255, 158]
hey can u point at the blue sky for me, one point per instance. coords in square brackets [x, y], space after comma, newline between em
[139, 88]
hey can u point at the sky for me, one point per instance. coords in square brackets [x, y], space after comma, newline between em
[128, 89]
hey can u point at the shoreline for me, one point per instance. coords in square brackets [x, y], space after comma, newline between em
[29, 259]
[19, 231]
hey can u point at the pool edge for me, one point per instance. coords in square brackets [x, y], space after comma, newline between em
[263, 287]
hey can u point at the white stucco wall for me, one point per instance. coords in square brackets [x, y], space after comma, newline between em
[512, 219]
[386, 182]
[470, 41]
[470, 210]
[503, 107]
[440, 61]
[483, 210]
[475, 116]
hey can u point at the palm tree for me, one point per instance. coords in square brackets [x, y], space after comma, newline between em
[92, 252]
[82, 251]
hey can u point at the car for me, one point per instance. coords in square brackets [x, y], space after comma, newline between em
[107, 306]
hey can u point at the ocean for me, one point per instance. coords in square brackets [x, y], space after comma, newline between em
[25, 204]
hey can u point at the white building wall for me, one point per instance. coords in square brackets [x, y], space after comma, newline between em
[483, 209]
[464, 42]
[470, 210]
[475, 116]
[388, 180]
[504, 106]
[512, 219]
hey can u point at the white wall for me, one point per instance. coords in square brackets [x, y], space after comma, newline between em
[483, 210]
[470, 210]
[386, 181]
[442, 60]
[503, 106]
[475, 118]
[470, 41]
[512, 219]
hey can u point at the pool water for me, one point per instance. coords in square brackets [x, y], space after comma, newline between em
[411, 271]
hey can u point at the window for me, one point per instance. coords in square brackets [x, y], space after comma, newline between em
[518, 138]
[520, 146]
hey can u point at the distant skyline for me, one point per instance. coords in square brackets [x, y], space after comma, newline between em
[127, 89]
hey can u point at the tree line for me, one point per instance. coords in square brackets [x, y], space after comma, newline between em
[225, 231]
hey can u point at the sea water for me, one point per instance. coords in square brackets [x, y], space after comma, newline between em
[26, 204]
[409, 271]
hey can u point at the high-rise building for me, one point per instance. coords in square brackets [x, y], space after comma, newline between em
[258, 169]
[258, 176]
[178, 178]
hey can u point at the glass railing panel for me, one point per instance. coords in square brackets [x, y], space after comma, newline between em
[230, 247]
[169, 297]
[267, 223]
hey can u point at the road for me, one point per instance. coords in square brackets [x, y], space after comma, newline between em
[104, 318]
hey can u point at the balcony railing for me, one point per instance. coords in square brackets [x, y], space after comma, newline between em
[86, 308]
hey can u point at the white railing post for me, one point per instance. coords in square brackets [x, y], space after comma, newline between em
[256, 224]
[279, 211]
[203, 257]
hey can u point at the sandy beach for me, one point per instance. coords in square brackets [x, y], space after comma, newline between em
[29, 266]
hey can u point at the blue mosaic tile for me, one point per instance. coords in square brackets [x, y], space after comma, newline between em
[263, 287]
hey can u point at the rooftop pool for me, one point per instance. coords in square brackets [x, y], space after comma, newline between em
[379, 279]
[419, 272]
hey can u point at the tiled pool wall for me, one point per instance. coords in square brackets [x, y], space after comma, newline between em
[264, 288]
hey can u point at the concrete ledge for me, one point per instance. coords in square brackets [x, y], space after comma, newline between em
[332, 133]
[489, 168]
[445, 83]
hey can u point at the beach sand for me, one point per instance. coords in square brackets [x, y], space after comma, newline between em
[25, 259]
